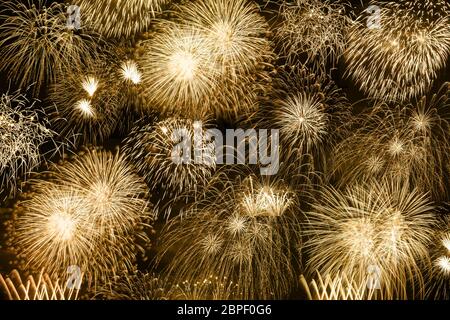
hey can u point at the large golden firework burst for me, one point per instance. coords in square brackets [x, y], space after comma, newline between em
[312, 31]
[213, 60]
[156, 152]
[90, 213]
[399, 58]
[235, 30]
[311, 113]
[378, 230]
[119, 18]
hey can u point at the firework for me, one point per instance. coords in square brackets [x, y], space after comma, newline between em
[87, 102]
[310, 112]
[179, 73]
[439, 275]
[88, 213]
[140, 286]
[235, 31]
[36, 43]
[117, 18]
[41, 287]
[152, 148]
[116, 195]
[406, 141]
[21, 136]
[336, 288]
[400, 59]
[379, 230]
[182, 73]
[313, 31]
[130, 72]
[131, 87]
[242, 232]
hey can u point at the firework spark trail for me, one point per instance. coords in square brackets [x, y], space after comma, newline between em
[35, 43]
[119, 18]
[407, 141]
[41, 287]
[379, 225]
[336, 288]
[242, 232]
[21, 137]
[90, 213]
[314, 29]
[400, 60]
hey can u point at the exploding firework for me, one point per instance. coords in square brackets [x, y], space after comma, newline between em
[132, 89]
[117, 18]
[21, 138]
[406, 141]
[87, 102]
[36, 43]
[399, 56]
[242, 232]
[116, 195]
[178, 71]
[235, 31]
[156, 150]
[130, 72]
[312, 31]
[311, 112]
[140, 286]
[88, 213]
[41, 287]
[336, 288]
[182, 73]
[379, 229]
[439, 275]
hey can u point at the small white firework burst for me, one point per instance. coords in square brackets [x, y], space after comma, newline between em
[36, 43]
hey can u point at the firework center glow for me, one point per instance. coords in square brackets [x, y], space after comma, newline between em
[183, 65]
[85, 107]
[62, 226]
